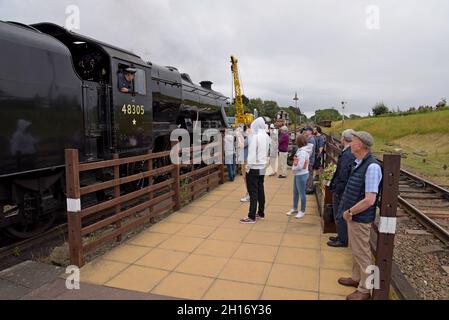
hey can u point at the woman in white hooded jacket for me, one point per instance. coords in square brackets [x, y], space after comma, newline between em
[258, 148]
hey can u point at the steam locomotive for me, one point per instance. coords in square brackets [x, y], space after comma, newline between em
[58, 90]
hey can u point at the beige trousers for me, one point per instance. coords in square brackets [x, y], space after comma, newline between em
[359, 235]
[283, 163]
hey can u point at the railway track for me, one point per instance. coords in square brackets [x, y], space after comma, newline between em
[13, 252]
[427, 202]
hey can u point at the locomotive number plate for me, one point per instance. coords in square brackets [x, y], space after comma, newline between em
[132, 109]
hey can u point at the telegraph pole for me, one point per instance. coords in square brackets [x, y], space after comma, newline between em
[343, 113]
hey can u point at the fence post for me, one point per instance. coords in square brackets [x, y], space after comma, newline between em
[176, 176]
[150, 182]
[387, 224]
[118, 225]
[74, 207]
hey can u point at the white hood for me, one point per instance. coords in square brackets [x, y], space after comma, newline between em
[259, 145]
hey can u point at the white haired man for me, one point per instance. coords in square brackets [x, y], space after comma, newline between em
[358, 205]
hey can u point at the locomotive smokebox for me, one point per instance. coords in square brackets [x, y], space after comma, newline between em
[206, 84]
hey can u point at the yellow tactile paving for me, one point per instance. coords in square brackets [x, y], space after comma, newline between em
[203, 252]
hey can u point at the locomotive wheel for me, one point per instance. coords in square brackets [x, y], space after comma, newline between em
[30, 226]
[31, 220]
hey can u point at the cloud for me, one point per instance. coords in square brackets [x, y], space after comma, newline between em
[321, 48]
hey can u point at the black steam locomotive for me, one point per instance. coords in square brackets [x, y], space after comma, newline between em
[59, 90]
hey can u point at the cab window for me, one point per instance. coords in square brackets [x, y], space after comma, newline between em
[131, 80]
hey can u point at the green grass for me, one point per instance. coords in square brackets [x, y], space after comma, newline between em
[423, 138]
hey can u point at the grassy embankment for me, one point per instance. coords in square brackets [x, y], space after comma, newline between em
[423, 139]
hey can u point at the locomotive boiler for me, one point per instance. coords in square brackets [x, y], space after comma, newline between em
[58, 90]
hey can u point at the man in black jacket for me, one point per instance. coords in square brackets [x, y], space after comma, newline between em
[337, 187]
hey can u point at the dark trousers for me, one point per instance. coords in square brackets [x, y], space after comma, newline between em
[342, 227]
[310, 186]
[254, 182]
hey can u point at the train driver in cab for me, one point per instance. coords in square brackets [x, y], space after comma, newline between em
[125, 80]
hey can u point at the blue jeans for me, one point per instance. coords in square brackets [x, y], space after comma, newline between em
[231, 171]
[299, 190]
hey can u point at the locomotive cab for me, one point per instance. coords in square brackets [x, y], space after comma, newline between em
[114, 121]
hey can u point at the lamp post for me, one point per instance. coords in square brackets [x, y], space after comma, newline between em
[296, 108]
[343, 103]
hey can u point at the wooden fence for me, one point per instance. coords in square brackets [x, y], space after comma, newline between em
[128, 200]
[382, 243]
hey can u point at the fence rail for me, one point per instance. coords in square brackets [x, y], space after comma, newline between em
[129, 200]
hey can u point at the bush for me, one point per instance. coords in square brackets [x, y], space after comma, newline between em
[380, 109]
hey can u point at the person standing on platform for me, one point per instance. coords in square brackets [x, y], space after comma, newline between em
[242, 143]
[319, 138]
[258, 150]
[229, 149]
[300, 170]
[274, 149]
[312, 145]
[283, 152]
[358, 206]
[337, 187]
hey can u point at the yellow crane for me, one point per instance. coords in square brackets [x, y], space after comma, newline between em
[240, 116]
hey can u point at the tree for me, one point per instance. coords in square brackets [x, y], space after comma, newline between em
[441, 104]
[270, 108]
[326, 114]
[379, 109]
[354, 116]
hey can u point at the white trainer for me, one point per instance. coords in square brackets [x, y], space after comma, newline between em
[300, 215]
[291, 212]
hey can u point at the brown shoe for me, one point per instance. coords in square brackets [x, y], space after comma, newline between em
[348, 282]
[357, 295]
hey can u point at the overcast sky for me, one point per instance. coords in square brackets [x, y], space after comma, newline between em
[327, 50]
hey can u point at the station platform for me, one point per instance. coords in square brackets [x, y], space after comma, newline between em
[203, 252]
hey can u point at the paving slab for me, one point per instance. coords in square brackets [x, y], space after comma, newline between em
[203, 252]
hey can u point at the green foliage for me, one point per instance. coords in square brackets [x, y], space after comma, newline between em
[354, 116]
[326, 114]
[441, 104]
[380, 109]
